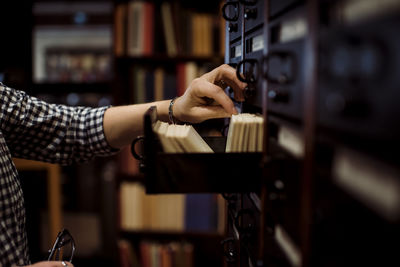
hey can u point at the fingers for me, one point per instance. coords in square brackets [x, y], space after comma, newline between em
[228, 75]
[205, 100]
[52, 264]
[213, 91]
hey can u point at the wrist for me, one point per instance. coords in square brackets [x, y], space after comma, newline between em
[173, 111]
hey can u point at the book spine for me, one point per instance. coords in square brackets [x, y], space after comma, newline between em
[148, 29]
[169, 30]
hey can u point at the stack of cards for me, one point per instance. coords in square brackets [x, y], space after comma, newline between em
[245, 133]
[180, 138]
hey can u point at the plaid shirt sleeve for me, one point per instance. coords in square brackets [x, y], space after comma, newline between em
[53, 133]
[33, 129]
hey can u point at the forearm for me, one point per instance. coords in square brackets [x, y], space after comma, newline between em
[123, 123]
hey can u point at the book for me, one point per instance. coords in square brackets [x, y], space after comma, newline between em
[135, 28]
[180, 138]
[131, 206]
[127, 254]
[140, 28]
[169, 30]
[158, 84]
[140, 211]
[201, 213]
[177, 254]
[196, 34]
[180, 78]
[166, 256]
[145, 254]
[148, 34]
[208, 34]
[119, 29]
[202, 34]
[138, 84]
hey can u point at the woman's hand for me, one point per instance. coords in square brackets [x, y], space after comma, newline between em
[205, 97]
[51, 264]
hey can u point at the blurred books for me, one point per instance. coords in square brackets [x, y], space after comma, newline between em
[170, 212]
[143, 29]
[171, 254]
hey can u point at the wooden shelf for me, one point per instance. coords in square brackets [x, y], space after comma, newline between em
[64, 88]
[169, 235]
[163, 58]
[124, 177]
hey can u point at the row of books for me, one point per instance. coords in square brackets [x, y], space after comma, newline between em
[154, 254]
[154, 84]
[144, 28]
[170, 212]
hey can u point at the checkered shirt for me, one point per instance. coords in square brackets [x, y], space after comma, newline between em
[33, 129]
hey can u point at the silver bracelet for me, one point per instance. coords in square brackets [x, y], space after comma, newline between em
[170, 112]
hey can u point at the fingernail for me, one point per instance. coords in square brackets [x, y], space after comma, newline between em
[234, 111]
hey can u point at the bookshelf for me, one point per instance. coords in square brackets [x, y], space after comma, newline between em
[144, 51]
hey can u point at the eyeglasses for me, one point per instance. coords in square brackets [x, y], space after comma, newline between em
[63, 248]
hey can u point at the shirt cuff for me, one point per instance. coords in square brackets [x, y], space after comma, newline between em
[97, 137]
